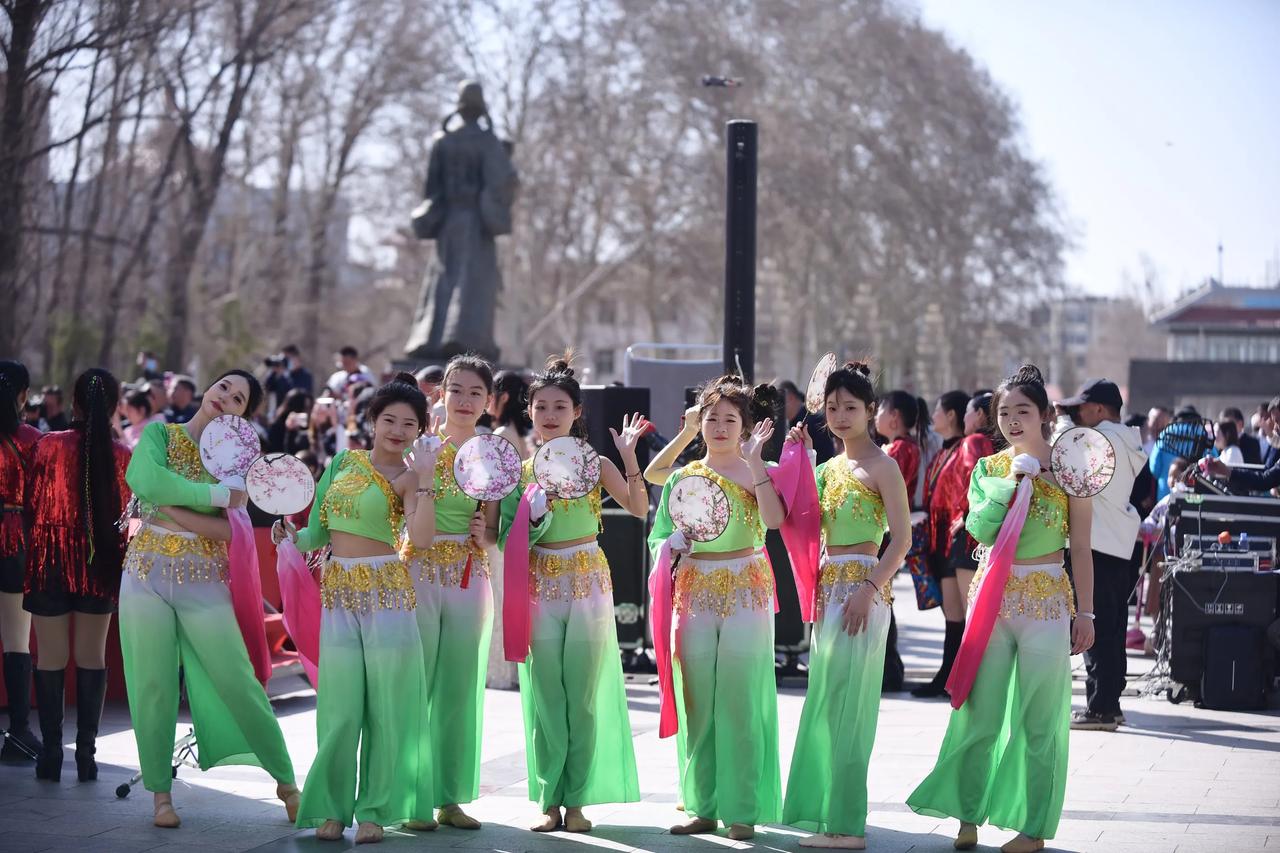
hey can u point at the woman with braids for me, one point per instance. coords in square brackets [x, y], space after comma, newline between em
[17, 445]
[75, 496]
[946, 501]
[726, 696]
[577, 732]
[861, 493]
[1004, 758]
[176, 611]
[507, 410]
[455, 604]
[372, 695]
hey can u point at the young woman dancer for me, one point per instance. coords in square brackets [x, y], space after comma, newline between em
[175, 610]
[507, 410]
[75, 496]
[1004, 757]
[372, 689]
[726, 694]
[455, 606]
[946, 501]
[17, 445]
[861, 493]
[577, 732]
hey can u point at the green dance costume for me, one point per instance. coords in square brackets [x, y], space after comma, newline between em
[577, 732]
[827, 786]
[175, 612]
[454, 627]
[726, 694]
[372, 691]
[1004, 757]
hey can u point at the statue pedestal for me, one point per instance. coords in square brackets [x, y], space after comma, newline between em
[502, 673]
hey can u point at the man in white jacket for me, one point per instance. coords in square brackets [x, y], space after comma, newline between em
[1115, 528]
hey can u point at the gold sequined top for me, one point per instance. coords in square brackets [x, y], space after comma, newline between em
[353, 497]
[991, 490]
[852, 511]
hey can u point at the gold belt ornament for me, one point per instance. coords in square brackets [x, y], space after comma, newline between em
[723, 591]
[182, 559]
[445, 561]
[556, 577]
[365, 587]
[836, 572]
[1037, 595]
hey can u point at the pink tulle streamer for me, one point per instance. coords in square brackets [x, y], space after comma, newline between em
[300, 594]
[246, 593]
[661, 593]
[515, 584]
[990, 596]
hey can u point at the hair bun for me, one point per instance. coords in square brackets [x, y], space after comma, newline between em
[1028, 373]
[406, 378]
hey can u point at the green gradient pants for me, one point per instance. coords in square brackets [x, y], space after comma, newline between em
[454, 626]
[1004, 757]
[171, 619]
[827, 785]
[577, 730]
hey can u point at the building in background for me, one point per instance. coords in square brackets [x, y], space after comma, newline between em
[1222, 349]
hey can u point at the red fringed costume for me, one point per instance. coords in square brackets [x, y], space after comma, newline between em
[946, 494]
[58, 542]
[15, 463]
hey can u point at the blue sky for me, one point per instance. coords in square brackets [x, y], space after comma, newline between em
[1158, 124]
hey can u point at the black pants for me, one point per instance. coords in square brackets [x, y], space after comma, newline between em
[1105, 664]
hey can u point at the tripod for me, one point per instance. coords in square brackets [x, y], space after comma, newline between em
[184, 755]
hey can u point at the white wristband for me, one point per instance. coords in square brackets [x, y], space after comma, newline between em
[1085, 614]
[219, 495]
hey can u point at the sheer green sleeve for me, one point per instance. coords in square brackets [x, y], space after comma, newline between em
[507, 517]
[662, 524]
[316, 534]
[149, 477]
[989, 499]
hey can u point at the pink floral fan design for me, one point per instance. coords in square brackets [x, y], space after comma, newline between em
[567, 467]
[815, 396]
[1082, 461]
[280, 484]
[228, 446]
[487, 467]
[699, 507]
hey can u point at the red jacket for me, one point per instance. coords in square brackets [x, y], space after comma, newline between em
[15, 465]
[946, 491]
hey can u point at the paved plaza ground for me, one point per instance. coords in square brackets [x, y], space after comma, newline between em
[1175, 778]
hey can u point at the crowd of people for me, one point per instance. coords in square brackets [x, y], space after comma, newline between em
[108, 507]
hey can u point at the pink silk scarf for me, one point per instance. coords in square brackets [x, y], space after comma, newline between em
[246, 593]
[515, 584]
[300, 594]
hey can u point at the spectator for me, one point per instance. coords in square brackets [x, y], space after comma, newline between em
[1157, 420]
[431, 382]
[1111, 536]
[31, 411]
[1228, 443]
[348, 361]
[1249, 445]
[276, 383]
[327, 416]
[288, 430]
[1244, 480]
[55, 414]
[1269, 434]
[138, 411]
[299, 376]
[507, 409]
[182, 400]
[793, 410]
[1186, 437]
[159, 398]
[148, 365]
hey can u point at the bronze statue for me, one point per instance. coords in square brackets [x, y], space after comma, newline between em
[471, 186]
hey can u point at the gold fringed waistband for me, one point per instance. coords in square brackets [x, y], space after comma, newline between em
[848, 569]
[445, 561]
[1036, 594]
[573, 573]
[179, 558]
[723, 586]
[365, 585]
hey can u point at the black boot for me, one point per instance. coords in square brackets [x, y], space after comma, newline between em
[17, 684]
[950, 648]
[91, 689]
[50, 687]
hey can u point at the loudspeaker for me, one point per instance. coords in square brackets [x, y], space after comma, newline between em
[604, 406]
[1208, 599]
[625, 547]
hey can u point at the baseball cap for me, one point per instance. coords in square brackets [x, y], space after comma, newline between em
[1102, 391]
